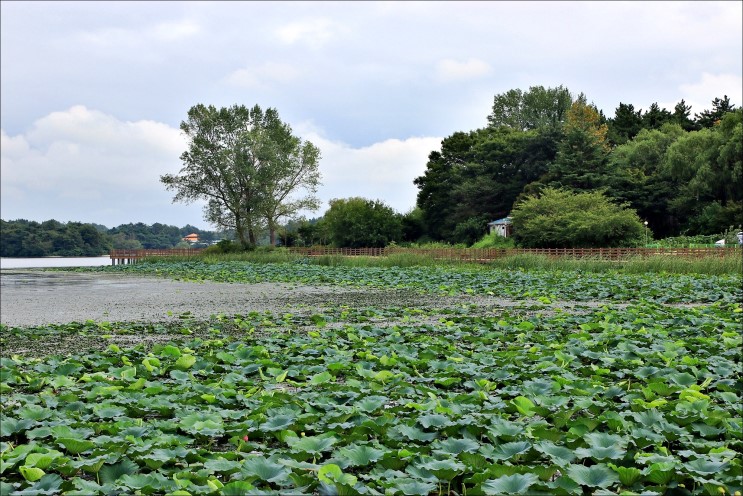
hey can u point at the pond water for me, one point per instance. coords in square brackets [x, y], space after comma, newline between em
[32, 263]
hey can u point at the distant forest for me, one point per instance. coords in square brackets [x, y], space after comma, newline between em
[23, 238]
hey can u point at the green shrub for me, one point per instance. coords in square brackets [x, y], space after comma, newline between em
[560, 218]
[494, 240]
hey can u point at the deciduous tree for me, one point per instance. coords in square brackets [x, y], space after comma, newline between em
[247, 165]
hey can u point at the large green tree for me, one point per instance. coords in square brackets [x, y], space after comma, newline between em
[720, 107]
[248, 166]
[635, 175]
[707, 165]
[360, 222]
[477, 177]
[536, 108]
[580, 163]
[559, 218]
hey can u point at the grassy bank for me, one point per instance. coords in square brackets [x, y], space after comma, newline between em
[638, 265]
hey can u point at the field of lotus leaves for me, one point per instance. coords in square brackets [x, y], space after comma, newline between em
[635, 388]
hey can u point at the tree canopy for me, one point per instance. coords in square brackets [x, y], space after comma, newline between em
[248, 166]
[360, 222]
[680, 174]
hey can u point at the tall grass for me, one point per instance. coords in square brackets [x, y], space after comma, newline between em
[732, 264]
[634, 265]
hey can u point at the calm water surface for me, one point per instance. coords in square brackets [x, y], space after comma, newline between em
[31, 263]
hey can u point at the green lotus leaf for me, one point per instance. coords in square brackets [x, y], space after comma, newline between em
[415, 434]
[210, 425]
[593, 476]
[434, 420]
[332, 474]
[108, 411]
[48, 484]
[42, 460]
[602, 446]
[456, 446]
[683, 379]
[264, 469]
[10, 426]
[411, 487]
[109, 474]
[524, 405]
[221, 465]
[236, 488]
[360, 455]
[31, 474]
[507, 451]
[559, 455]
[277, 423]
[137, 481]
[321, 378]
[185, 362]
[627, 475]
[371, 403]
[311, 444]
[170, 351]
[34, 412]
[509, 484]
[75, 446]
[706, 467]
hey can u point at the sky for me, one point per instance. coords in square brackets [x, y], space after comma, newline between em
[92, 93]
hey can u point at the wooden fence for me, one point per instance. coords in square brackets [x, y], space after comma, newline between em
[461, 254]
[486, 254]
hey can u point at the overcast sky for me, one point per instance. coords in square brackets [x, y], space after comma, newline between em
[92, 93]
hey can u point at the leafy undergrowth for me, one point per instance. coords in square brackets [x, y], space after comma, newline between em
[515, 284]
[644, 399]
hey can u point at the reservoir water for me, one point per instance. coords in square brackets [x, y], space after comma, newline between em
[32, 263]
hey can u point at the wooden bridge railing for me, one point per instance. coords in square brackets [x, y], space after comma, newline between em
[132, 256]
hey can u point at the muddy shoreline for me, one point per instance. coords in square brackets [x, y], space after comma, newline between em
[32, 297]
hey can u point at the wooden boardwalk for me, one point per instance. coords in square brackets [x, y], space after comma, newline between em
[121, 257]
[481, 255]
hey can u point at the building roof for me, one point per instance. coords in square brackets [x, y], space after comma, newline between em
[500, 222]
[192, 235]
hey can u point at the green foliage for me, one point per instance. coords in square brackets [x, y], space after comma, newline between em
[480, 175]
[562, 219]
[248, 166]
[535, 138]
[359, 222]
[539, 107]
[493, 240]
[22, 238]
[580, 163]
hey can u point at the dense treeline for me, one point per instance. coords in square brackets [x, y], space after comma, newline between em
[680, 174]
[23, 238]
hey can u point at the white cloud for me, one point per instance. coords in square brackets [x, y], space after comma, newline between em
[174, 30]
[456, 70]
[263, 76]
[381, 171]
[700, 94]
[141, 36]
[312, 32]
[81, 164]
